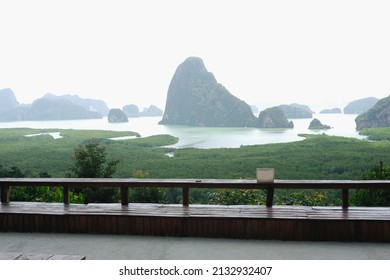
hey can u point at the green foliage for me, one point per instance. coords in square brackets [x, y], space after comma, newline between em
[43, 194]
[237, 197]
[304, 198]
[316, 157]
[376, 134]
[12, 172]
[374, 197]
[146, 195]
[91, 162]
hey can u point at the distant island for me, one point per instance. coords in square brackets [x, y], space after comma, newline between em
[316, 124]
[195, 98]
[132, 111]
[331, 111]
[50, 107]
[297, 111]
[273, 117]
[360, 106]
[377, 116]
[117, 116]
[64, 107]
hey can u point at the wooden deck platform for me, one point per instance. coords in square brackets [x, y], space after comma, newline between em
[253, 222]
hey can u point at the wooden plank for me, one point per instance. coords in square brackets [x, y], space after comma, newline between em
[278, 222]
[5, 191]
[33, 256]
[192, 183]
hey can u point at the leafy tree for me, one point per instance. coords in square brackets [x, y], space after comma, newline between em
[374, 197]
[12, 172]
[91, 162]
[305, 199]
[146, 195]
[237, 197]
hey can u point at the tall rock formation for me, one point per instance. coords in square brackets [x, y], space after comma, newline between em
[117, 116]
[131, 110]
[195, 98]
[316, 124]
[377, 116]
[273, 118]
[7, 100]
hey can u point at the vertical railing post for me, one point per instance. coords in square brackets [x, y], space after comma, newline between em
[125, 196]
[186, 196]
[65, 195]
[5, 190]
[345, 198]
[270, 195]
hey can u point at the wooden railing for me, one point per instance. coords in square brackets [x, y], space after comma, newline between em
[186, 185]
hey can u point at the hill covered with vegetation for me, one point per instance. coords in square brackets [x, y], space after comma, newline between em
[273, 117]
[195, 98]
[377, 116]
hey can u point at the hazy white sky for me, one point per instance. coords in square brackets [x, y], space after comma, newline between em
[319, 53]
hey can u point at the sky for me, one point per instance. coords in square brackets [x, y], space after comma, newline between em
[320, 53]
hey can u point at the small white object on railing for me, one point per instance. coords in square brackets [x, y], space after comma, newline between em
[265, 175]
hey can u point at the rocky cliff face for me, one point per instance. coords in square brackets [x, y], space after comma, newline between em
[377, 116]
[273, 118]
[195, 98]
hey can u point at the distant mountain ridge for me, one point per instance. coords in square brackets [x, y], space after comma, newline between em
[50, 107]
[360, 106]
[92, 105]
[195, 98]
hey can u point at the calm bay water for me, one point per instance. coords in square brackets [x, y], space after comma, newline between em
[207, 137]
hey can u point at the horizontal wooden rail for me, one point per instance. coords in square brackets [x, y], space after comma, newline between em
[186, 185]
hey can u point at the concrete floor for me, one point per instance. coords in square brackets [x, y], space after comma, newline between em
[125, 247]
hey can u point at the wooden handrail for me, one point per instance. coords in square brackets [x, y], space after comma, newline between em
[187, 184]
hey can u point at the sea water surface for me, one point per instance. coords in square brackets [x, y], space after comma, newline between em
[207, 137]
